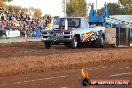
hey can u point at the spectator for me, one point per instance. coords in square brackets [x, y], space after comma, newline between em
[21, 21]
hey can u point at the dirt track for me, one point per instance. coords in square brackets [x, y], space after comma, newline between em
[22, 58]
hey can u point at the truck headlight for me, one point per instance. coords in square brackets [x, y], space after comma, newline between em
[73, 32]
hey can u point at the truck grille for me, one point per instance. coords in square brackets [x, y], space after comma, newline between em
[66, 36]
[66, 32]
[45, 36]
[44, 33]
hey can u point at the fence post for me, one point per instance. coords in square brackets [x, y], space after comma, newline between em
[26, 36]
[119, 36]
[128, 36]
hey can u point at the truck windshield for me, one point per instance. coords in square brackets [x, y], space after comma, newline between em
[72, 22]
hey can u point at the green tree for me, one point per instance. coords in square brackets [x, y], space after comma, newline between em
[76, 8]
[2, 4]
[7, 0]
[23, 10]
[125, 3]
[15, 9]
[129, 10]
[113, 9]
[37, 13]
[46, 15]
[126, 6]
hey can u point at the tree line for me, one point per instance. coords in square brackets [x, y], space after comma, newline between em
[79, 8]
[116, 9]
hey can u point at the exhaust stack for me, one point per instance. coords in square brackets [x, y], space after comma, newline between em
[66, 24]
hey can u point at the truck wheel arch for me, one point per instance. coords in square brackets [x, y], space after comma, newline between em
[103, 35]
[78, 37]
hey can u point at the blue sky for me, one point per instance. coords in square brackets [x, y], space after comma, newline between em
[53, 7]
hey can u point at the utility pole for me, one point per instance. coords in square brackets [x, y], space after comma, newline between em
[96, 6]
[65, 1]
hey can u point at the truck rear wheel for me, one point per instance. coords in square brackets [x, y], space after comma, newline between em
[99, 43]
[47, 45]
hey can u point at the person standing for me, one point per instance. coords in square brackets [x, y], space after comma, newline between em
[48, 21]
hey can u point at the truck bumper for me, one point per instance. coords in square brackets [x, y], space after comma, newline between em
[56, 40]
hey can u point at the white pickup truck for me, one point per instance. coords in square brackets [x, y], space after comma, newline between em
[73, 32]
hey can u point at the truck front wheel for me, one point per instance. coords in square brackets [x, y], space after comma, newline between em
[74, 43]
[47, 45]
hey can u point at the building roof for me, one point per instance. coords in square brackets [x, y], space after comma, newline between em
[126, 18]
